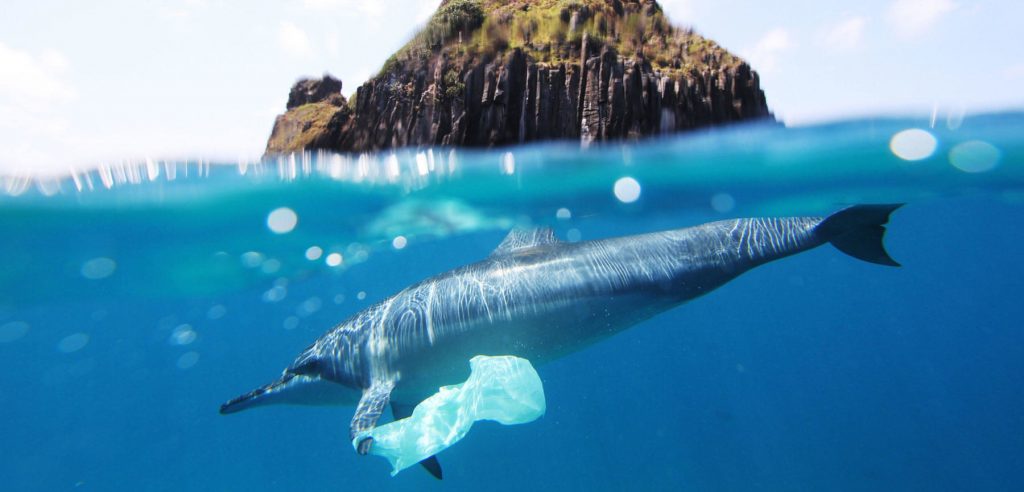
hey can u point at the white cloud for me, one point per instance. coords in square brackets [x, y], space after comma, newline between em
[293, 39]
[846, 35]
[426, 9]
[173, 13]
[32, 121]
[371, 8]
[322, 4]
[361, 76]
[912, 18]
[678, 11]
[34, 93]
[764, 56]
[40, 79]
[333, 42]
[1014, 72]
[180, 11]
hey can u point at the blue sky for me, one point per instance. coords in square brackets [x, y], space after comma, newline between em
[83, 83]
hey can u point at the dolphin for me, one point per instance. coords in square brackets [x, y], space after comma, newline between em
[539, 298]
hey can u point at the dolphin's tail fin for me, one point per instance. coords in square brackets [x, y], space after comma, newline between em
[858, 232]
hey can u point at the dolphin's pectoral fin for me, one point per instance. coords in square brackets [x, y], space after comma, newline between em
[370, 407]
[430, 464]
[520, 239]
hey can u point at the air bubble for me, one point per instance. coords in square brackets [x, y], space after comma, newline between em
[188, 360]
[98, 268]
[73, 343]
[183, 335]
[314, 253]
[722, 202]
[627, 190]
[974, 156]
[913, 145]
[282, 220]
[217, 311]
[12, 331]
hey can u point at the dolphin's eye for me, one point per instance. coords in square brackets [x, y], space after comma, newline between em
[309, 366]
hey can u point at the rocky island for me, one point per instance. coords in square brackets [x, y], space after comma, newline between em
[485, 73]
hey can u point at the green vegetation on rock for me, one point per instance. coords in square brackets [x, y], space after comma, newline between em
[305, 126]
[551, 31]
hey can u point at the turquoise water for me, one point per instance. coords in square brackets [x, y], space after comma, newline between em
[136, 298]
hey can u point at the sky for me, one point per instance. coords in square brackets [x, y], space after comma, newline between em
[105, 81]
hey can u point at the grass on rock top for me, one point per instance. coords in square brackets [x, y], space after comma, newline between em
[551, 32]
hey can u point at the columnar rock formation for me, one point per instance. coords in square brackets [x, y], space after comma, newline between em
[456, 95]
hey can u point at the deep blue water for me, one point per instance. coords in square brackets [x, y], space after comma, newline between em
[133, 302]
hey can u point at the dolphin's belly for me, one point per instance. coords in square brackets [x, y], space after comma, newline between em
[545, 336]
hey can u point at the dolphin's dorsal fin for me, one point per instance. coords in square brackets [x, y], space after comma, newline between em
[520, 239]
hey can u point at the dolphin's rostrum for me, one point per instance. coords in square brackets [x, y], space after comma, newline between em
[539, 298]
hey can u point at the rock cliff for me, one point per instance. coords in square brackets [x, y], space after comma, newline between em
[496, 73]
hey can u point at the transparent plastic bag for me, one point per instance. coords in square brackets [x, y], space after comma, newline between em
[505, 389]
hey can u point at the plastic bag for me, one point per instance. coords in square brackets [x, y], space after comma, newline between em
[505, 389]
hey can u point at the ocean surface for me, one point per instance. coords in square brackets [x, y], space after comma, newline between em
[137, 297]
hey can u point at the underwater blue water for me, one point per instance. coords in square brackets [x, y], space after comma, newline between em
[136, 298]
